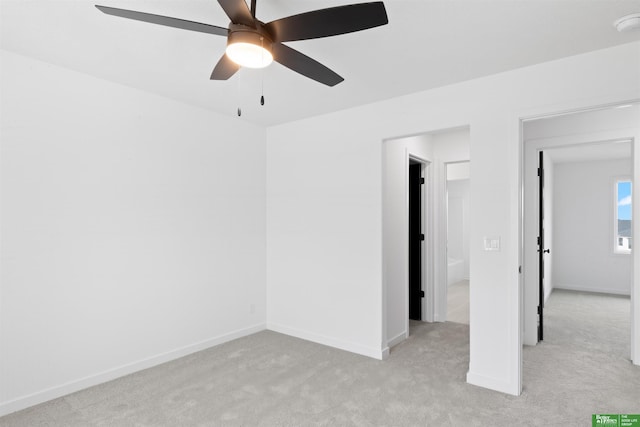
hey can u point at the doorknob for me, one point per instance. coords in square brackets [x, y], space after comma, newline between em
[547, 251]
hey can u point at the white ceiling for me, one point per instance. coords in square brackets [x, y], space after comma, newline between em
[427, 44]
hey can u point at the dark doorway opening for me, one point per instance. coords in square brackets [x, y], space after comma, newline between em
[416, 237]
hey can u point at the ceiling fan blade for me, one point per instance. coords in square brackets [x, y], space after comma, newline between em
[225, 68]
[304, 65]
[328, 22]
[238, 12]
[165, 20]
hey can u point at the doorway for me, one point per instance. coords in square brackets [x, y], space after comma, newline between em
[571, 164]
[457, 203]
[426, 298]
[416, 239]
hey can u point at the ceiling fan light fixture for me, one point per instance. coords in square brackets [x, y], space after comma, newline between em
[249, 49]
[252, 43]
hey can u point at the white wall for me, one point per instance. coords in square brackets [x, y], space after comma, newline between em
[453, 146]
[583, 255]
[458, 171]
[324, 215]
[589, 123]
[132, 231]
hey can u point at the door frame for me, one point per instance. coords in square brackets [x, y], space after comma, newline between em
[396, 155]
[526, 329]
[541, 245]
[427, 303]
[416, 239]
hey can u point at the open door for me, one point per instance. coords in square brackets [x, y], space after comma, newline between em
[541, 249]
[415, 240]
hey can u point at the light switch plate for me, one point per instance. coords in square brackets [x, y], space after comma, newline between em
[492, 243]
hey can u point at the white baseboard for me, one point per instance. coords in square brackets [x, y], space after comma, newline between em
[492, 383]
[570, 287]
[375, 353]
[397, 340]
[385, 353]
[102, 377]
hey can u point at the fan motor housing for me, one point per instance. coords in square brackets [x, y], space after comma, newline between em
[244, 34]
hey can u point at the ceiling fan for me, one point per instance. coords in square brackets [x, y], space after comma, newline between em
[252, 43]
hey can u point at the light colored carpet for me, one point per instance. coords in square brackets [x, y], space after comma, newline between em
[269, 379]
[458, 302]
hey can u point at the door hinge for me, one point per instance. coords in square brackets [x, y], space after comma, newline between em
[538, 310]
[421, 236]
[538, 240]
[519, 269]
[421, 180]
[539, 171]
[421, 294]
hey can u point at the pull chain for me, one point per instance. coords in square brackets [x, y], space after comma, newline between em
[262, 73]
[238, 96]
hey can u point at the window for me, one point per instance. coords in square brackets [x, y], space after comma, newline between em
[622, 221]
